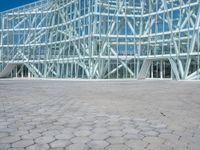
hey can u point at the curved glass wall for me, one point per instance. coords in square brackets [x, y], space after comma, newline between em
[102, 39]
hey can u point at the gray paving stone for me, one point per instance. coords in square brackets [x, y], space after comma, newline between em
[150, 133]
[80, 140]
[31, 136]
[116, 140]
[8, 130]
[15, 148]
[159, 126]
[64, 136]
[139, 120]
[77, 146]
[99, 136]
[19, 133]
[85, 128]
[59, 113]
[146, 129]
[83, 133]
[134, 136]
[100, 130]
[26, 127]
[4, 146]
[114, 128]
[73, 125]
[170, 138]
[9, 139]
[51, 133]
[38, 147]
[3, 135]
[142, 124]
[87, 123]
[116, 133]
[98, 144]
[67, 130]
[60, 143]
[45, 139]
[136, 144]
[55, 128]
[57, 148]
[193, 146]
[154, 140]
[38, 130]
[118, 147]
[131, 130]
[164, 131]
[23, 143]
[96, 149]
[100, 125]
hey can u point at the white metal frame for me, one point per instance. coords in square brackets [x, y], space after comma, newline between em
[102, 39]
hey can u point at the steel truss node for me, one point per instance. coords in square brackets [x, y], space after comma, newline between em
[102, 39]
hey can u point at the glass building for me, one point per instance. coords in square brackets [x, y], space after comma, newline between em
[102, 39]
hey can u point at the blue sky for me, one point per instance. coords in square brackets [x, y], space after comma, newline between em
[9, 4]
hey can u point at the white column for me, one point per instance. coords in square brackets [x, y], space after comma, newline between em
[152, 70]
[29, 75]
[161, 70]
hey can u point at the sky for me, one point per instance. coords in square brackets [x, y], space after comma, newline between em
[9, 4]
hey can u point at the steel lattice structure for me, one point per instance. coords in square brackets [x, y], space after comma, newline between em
[102, 39]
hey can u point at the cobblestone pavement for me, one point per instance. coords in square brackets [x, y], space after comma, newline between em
[97, 115]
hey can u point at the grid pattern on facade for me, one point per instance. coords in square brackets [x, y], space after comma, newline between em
[102, 39]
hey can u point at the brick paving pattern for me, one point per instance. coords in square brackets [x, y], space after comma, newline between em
[97, 115]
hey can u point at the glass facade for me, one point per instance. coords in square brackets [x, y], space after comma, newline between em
[102, 39]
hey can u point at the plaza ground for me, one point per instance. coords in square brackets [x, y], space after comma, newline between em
[96, 115]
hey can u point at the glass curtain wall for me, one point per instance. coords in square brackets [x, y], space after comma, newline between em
[102, 39]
